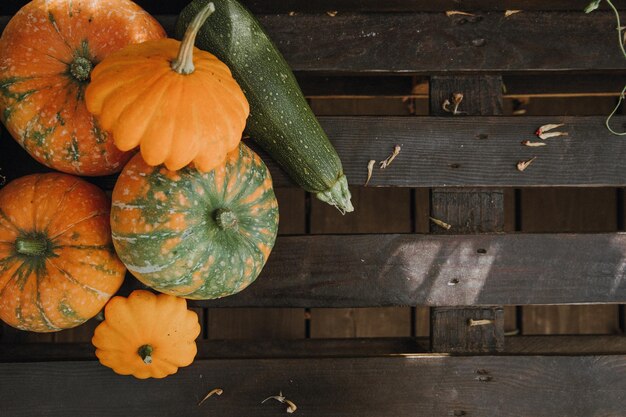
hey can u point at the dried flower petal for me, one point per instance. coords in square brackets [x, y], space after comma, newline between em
[533, 144]
[522, 165]
[291, 407]
[511, 12]
[216, 391]
[396, 150]
[441, 223]
[370, 170]
[547, 128]
[552, 135]
[458, 12]
[332, 13]
[446, 106]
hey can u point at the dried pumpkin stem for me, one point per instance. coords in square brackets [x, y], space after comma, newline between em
[183, 64]
[145, 352]
[31, 246]
[225, 218]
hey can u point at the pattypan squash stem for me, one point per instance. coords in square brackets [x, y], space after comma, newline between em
[145, 352]
[183, 64]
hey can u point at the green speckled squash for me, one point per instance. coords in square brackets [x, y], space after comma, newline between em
[192, 234]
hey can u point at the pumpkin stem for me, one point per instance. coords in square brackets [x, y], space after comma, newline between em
[183, 64]
[225, 218]
[80, 68]
[31, 246]
[145, 352]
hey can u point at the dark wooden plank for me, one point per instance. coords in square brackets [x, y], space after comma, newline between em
[369, 6]
[426, 43]
[328, 348]
[467, 211]
[398, 270]
[545, 85]
[465, 330]
[472, 152]
[412, 385]
[569, 210]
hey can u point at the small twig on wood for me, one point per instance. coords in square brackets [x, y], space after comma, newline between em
[533, 144]
[522, 165]
[216, 391]
[481, 322]
[511, 12]
[440, 223]
[458, 12]
[291, 406]
[396, 151]
[332, 13]
[370, 170]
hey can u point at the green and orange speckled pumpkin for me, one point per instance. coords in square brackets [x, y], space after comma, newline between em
[192, 234]
[57, 264]
[47, 52]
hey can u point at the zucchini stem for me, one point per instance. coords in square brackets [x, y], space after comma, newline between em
[338, 195]
[183, 64]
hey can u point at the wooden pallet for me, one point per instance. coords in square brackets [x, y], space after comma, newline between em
[464, 168]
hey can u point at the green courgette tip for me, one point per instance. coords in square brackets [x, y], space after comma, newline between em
[338, 195]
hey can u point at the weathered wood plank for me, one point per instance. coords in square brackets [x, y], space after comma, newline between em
[413, 385]
[404, 270]
[472, 152]
[369, 6]
[309, 348]
[467, 330]
[427, 43]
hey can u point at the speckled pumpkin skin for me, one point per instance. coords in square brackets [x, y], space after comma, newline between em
[46, 51]
[166, 232]
[76, 271]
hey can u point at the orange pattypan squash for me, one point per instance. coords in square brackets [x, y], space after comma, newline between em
[147, 335]
[177, 107]
[57, 263]
[47, 52]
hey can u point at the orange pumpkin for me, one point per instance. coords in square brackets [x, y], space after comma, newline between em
[146, 335]
[175, 106]
[57, 263]
[47, 52]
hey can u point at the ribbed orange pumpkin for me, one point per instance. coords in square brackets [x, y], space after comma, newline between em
[57, 264]
[46, 54]
[147, 335]
[176, 107]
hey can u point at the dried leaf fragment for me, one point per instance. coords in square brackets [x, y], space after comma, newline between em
[396, 150]
[511, 12]
[549, 135]
[441, 223]
[332, 13]
[522, 165]
[216, 391]
[291, 406]
[457, 98]
[458, 12]
[533, 144]
[370, 170]
[547, 128]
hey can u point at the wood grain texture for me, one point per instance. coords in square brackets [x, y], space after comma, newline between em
[321, 6]
[569, 210]
[413, 385]
[404, 270]
[436, 152]
[426, 43]
[327, 348]
[467, 330]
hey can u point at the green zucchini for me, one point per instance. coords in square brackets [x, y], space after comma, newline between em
[280, 120]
